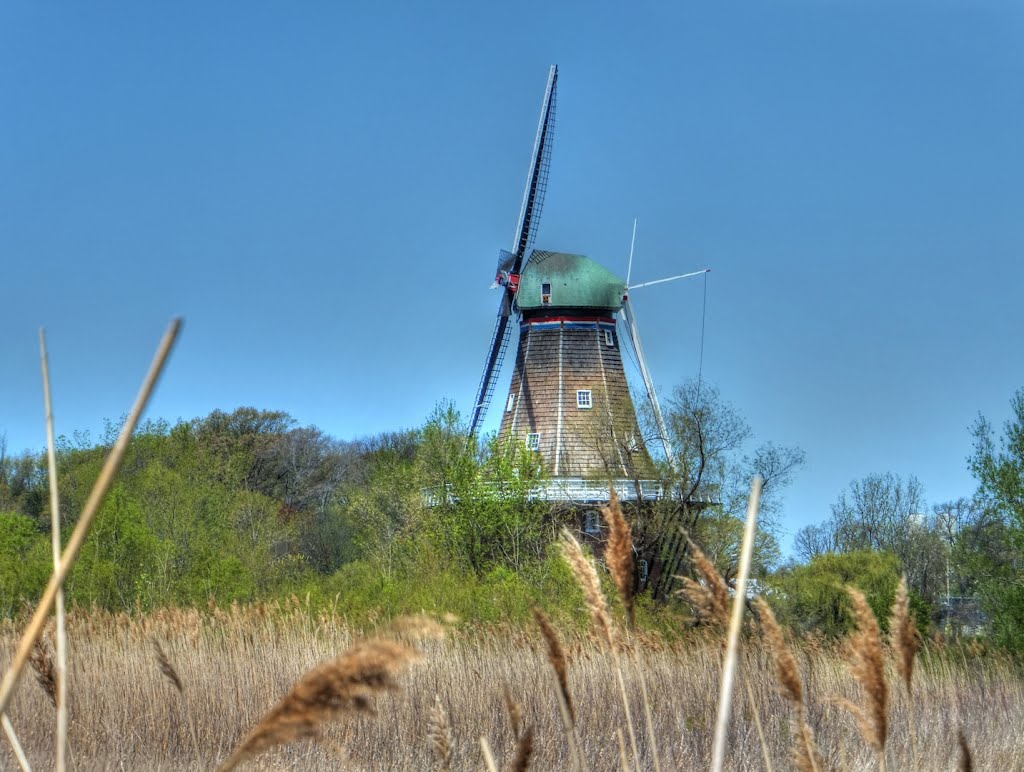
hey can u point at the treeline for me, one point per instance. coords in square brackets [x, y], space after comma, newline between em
[247, 505]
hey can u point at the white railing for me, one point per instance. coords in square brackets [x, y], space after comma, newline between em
[579, 490]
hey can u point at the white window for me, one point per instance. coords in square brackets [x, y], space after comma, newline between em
[592, 522]
[545, 294]
[511, 402]
[609, 339]
[583, 399]
[533, 440]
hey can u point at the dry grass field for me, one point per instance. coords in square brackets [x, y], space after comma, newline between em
[234, 664]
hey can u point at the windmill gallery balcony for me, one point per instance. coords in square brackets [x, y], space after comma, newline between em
[582, 491]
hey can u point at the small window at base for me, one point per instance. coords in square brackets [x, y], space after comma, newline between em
[583, 399]
[533, 440]
[643, 568]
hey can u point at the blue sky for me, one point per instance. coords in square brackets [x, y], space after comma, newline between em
[321, 193]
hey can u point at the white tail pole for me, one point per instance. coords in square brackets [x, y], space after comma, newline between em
[652, 395]
[632, 243]
[669, 278]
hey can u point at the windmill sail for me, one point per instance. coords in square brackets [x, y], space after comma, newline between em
[652, 395]
[540, 165]
[526, 231]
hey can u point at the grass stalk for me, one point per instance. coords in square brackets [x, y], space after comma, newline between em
[586, 576]
[623, 757]
[19, 752]
[61, 696]
[620, 558]
[489, 762]
[649, 719]
[89, 512]
[806, 756]
[625, 704]
[568, 723]
[757, 725]
[736, 621]
[171, 674]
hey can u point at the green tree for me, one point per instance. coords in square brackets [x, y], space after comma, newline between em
[114, 567]
[713, 466]
[25, 562]
[885, 512]
[483, 515]
[813, 596]
[998, 464]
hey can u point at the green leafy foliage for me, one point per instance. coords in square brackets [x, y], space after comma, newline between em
[814, 597]
[245, 505]
[26, 560]
[998, 465]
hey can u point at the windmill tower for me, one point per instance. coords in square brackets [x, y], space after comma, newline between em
[569, 398]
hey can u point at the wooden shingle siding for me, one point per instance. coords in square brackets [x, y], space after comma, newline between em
[591, 442]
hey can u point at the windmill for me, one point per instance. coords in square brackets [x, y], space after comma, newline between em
[569, 398]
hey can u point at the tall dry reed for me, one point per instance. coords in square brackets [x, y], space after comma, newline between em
[867, 664]
[235, 662]
[619, 555]
[805, 753]
[557, 659]
[440, 735]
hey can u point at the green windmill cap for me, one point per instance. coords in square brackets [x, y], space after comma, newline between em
[575, 281]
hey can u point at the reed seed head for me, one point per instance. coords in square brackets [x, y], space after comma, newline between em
[439, 734]
[806, 756]
[619, 554]
[514, 710]
[556, 656]
[524, 750]
[710, 597]
[343, 685]
[966, 761]
[868, 667]
[786, 670]
[904, 636]
[416, 627]
[166, 667]
[586, 576]
[41, 660]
